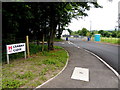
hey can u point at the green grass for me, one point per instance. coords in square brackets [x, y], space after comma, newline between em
[26, 75]
[109, 40]
[11, 83]
[58, 40]
[33, 50]
[33, 71]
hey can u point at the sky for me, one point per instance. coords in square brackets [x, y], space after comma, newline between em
[98, 18]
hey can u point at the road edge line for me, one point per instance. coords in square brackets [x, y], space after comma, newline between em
[113, 70]
[57, 74]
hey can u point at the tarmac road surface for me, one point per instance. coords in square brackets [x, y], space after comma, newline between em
[109, 53]
[100, 76]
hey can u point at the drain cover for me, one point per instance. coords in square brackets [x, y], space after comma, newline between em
[80, 74]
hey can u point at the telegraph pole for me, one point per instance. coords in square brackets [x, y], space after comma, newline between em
[90, 25]
[119, 15]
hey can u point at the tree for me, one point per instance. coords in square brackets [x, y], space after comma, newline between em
[114, 34]
[84, 32]
[118, 34]
[21, 19]
[70, 31]
[107, 34]
[101, 32]
[14, 14]
[88, 34]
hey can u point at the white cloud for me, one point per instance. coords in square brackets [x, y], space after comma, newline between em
[101, 18]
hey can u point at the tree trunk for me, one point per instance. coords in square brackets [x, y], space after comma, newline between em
[37, 37]
[37, 40]
[43, 43]
[59, 34]
[51, 31]
[51, 37]
[50, 41]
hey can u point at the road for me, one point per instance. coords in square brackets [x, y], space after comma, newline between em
[99, 75]
[109, 53]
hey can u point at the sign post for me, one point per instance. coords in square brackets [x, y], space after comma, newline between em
[15, 48]
[27, 42]
[7, 59]
[25, 54]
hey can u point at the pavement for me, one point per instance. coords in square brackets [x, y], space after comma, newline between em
[100, 75]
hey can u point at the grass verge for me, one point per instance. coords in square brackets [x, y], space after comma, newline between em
[109, 40]
[33, 50]
[33, 71]
[58, 40]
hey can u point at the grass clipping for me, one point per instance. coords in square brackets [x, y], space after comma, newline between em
[34, 71]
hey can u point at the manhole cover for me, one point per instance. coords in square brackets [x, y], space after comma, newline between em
[80, 74]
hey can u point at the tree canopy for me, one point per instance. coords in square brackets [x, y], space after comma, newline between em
[85, 32]
[40, 20]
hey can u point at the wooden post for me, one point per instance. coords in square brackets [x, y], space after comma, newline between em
[27, 43]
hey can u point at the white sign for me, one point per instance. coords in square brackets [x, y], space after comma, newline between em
[15, 48]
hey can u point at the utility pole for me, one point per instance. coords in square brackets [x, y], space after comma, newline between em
[90, 25]
[119, 15]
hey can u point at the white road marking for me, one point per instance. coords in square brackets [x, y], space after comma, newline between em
[54, 76]
[74, 44]
[113, 70]
[80, 74]
[69, 42]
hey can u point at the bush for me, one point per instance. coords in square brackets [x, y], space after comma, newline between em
[118, 35]
[34, 48]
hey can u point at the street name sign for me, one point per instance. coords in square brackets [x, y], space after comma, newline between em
[15, 48]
